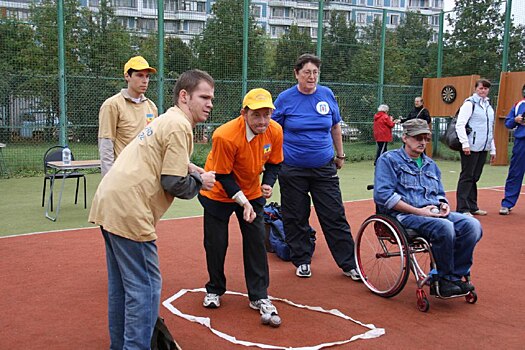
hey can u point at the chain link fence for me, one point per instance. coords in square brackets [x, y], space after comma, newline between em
[97, 43]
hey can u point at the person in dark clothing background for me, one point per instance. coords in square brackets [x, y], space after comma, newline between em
[419, 112]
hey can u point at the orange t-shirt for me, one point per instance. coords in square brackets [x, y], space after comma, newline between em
[231, 152]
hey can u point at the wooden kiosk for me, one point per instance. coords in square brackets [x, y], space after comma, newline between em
[509, 93]
[443, 96]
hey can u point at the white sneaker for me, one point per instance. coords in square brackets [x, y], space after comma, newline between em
[304, 271]
[353, 274]
[211, 301]
[264, 306]
[504, 211]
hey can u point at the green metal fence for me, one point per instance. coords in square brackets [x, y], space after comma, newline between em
[47, 98]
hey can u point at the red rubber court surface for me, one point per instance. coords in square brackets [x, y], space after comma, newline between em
[54, 293]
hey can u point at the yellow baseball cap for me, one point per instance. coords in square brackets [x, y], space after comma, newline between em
[258, 98]
[138, 63]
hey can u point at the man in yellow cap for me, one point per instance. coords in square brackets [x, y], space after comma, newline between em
[242, 149]
[125, 114]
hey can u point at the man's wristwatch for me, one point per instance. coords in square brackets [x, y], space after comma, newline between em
[341, 157]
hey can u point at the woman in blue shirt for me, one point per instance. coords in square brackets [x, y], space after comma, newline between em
[309, 115]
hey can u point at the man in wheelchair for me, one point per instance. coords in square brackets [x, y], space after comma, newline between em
[407, 185]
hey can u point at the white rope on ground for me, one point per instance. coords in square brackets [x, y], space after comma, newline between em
[373, 332]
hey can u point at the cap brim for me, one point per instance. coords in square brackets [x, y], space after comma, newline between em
[260, 105]
[418, 132]
[139, 68]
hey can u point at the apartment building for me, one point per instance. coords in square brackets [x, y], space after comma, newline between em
[187, 18]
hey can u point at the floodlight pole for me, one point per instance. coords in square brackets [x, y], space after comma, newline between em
[382, 60]
[160, 68]
[61, 74]
[245, 28]
[320, 28]
[505, 62]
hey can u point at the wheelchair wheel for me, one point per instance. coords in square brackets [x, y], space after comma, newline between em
[471, 297]
[423, 304]
[382, 255]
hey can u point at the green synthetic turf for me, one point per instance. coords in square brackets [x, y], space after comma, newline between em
[21, 211]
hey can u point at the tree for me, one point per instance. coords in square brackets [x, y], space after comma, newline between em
[219, 49]
[95, 45]
[18, 50]
[414, 37]
[290, 46]
[475, 44]
[340, 47]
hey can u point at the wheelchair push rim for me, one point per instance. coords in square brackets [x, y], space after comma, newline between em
[382, 255]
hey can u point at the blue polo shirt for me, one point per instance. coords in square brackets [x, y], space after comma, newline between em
[307, 122]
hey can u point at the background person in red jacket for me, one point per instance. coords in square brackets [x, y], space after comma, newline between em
[383, 124]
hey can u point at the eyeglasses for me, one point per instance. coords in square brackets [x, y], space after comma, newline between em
[422, 137]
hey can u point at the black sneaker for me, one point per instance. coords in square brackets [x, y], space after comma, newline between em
[447, 288]
[465, 286]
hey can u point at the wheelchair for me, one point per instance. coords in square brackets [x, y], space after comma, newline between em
[386, 252]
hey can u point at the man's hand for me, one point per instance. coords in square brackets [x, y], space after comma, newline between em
[266, 191]
[192, 168]
[466, 151]
[434, 211]
[249, 214]
[208, 180]
[519, 119]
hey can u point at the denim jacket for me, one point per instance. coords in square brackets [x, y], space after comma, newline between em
[397, 177]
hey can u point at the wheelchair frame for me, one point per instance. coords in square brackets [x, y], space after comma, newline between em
[386, 252]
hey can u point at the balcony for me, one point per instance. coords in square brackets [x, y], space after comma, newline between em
[282, 3]
[274, 21]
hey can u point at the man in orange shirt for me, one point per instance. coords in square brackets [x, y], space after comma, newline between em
[242, 149]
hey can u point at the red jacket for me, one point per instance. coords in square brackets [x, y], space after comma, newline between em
[383, 125]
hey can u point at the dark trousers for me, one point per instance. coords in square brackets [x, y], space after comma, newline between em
[467, 190]
[297, 184]
[381, 148]
[254, 251]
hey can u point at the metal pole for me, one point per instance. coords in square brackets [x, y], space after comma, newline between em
[61, 74]
[505, 61]
[245, 28]
[440, 45]
[382, 60]
[320, 28]
[160, 68]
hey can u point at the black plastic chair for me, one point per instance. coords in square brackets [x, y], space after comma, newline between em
[55, 154]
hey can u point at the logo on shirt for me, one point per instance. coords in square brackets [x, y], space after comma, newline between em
[149, 118]
[144, 133]
[322, 108]
[267, 148]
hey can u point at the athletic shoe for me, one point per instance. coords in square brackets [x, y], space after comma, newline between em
[480, 212]
[304, 271]
[465, 286]
[504, 211]
[446, 288]
[264, 306]
[211, 301]
[467, 214]
[353, 274]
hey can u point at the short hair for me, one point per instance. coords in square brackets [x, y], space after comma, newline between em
[483, 82]
[306, 58]
[189, 81]
[383, 108]
[421, 98]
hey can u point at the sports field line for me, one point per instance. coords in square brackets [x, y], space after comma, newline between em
[494, 188]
